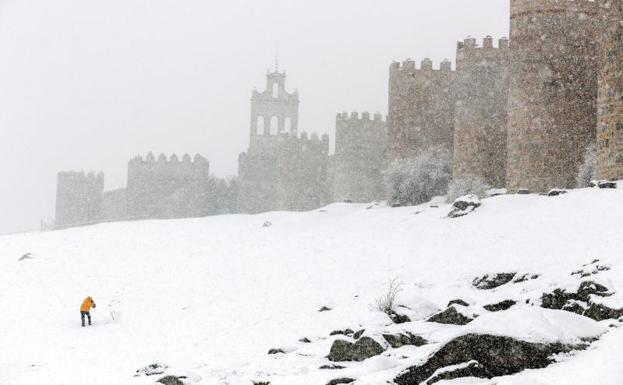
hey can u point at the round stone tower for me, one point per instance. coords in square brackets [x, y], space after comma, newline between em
[553, 91]
[610, 123]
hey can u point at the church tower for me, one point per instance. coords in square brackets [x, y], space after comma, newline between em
[274, 111]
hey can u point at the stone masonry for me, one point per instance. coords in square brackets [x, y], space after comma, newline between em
[610, 122]
[481, 111]
[553, 91]
[360, 157]
[421, 107]
[281, 170]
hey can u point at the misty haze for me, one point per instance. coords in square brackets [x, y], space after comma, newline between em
[296, 192]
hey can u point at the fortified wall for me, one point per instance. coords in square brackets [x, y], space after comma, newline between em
[610, 115]
[361, 145]
[156, 189]
[464, 111]
[421, 107]
[168, 188]
[481, 117]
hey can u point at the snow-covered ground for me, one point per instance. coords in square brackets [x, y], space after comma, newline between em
[209, 297]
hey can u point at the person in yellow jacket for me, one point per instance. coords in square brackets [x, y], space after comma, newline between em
[85, 309]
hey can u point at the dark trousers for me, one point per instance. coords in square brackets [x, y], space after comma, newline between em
[85, 313]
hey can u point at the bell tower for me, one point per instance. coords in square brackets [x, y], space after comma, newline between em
[274, 112]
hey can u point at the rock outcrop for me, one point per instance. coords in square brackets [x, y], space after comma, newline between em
[450, 316]
[361, 350]
[494, 355]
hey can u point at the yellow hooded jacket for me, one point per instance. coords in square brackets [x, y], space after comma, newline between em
[87, 304]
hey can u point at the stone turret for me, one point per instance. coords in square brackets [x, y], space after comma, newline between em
[481, 114]
[610, 124]
[421, 107]
[553, 90]
[78, 198]
[360, 157]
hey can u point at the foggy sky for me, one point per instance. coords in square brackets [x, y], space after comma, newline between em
[85, 85]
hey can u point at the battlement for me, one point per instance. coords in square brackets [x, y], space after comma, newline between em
[523, 7]
[173, 159]
[81, 176]
[426, 65]
[78, 198]
[354, 116]
[470, 43]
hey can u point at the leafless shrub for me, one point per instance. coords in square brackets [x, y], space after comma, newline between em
[416, 180]
[467, 185]
[387, 302]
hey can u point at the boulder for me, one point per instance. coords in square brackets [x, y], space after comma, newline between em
[607, 184]
[267, 224]
[450, 316]
[331, 367]
[562, 300]
[305, 340]
[574, 306]
[399, 318]
[457, 302]
[600, 312]
[488, 282]
[151, 370]
[464, 205]
[324, 308]
[557, 299]
[496, 356]
[171, 380]
[359, 334]
[345, 332]
[399, 340]
[469, 369]
[340, 381]
[361, 350]
[556, 192]
[276, 351]
[588, 288]
[504, 305]
[525, 277]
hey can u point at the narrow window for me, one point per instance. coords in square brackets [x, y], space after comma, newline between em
[275, 90]
[288, 125]
[274, 125]
[260, 125]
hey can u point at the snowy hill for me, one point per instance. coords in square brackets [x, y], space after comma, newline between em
[209, 297]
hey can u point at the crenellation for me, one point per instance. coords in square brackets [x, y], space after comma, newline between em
[526, 7]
